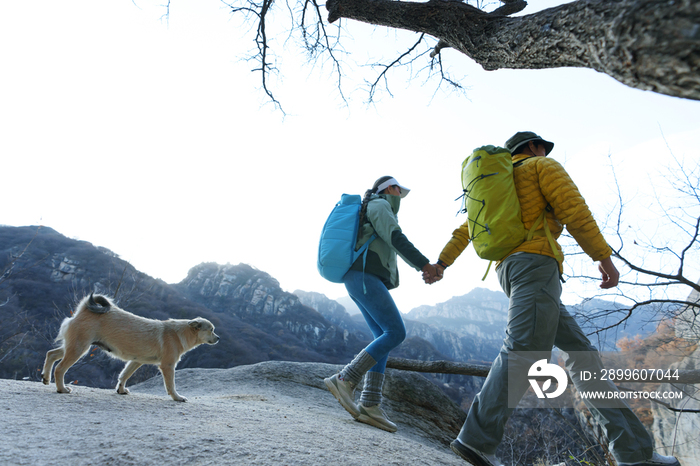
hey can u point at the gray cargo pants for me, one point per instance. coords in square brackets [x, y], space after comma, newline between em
[537, 320]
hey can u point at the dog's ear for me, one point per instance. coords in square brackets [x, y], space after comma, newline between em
[195, 324]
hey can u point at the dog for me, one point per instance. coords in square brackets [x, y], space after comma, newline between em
[123, 335]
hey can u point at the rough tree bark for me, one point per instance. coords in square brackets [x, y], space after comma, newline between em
[646, 44]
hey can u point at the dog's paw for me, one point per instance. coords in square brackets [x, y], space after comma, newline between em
[179, 398]
[45, 381]
[63, 390]
[123, 391]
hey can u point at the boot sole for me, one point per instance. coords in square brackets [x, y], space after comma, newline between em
[334, 390]
[467, 455]
[372, 422]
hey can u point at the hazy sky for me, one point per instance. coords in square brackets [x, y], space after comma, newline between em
[151, 138]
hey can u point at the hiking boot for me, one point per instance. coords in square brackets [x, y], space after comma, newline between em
[473, 456]
[344, 392]
[374, 416]
[656, 460]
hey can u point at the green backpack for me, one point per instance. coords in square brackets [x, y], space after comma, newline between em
[492, 205]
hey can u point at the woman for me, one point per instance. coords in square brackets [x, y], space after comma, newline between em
[368, 283]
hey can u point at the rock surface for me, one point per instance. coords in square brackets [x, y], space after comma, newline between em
[678, 433]
[272, 413]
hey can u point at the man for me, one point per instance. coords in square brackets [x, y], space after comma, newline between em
[537, 320]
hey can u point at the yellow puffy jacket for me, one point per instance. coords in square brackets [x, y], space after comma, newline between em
[540, 181]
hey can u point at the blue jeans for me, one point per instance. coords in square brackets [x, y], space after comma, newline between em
[537, 320]
[380, 313]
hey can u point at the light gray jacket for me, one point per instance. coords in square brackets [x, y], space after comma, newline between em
[381, 218]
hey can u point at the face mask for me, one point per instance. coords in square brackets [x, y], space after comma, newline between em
[394, 202]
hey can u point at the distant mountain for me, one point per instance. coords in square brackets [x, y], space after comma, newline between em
[484, 313]
[431, 339]
[596, 314]
[349, 305]
[480, 313]
[414, 347]
[256, 298]
[335, 312]
[688, 320]
[467, 328]
[43, 275]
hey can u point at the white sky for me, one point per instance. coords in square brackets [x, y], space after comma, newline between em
[152, 139]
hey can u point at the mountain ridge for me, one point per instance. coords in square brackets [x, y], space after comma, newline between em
[46, 273]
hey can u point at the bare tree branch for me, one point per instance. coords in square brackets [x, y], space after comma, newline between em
[672, 250]
[646, 44]
[629, 311]
[386, 68]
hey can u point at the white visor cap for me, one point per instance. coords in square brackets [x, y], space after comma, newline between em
[393, 182]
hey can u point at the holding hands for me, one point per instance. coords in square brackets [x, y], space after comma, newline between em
[432, 273]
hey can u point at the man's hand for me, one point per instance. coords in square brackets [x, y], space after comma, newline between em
[611, 276]
[432, 273]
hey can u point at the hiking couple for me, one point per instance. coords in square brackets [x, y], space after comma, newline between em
[537, 320]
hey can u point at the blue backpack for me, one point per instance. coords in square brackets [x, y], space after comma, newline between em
[336, 249]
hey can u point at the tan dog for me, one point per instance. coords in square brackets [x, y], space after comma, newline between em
[137, 340]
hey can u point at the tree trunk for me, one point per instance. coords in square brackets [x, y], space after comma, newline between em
[438, 367]
[688, 376]
[646, 44]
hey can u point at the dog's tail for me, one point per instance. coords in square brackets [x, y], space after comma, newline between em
[98, 304]
[62, 332]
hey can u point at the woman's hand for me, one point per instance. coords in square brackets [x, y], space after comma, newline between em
[432, 273]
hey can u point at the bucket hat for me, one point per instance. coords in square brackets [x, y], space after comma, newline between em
[522, 137]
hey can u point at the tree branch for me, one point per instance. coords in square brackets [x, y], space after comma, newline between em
[386, 68]
[647, 44]
[676, 278]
